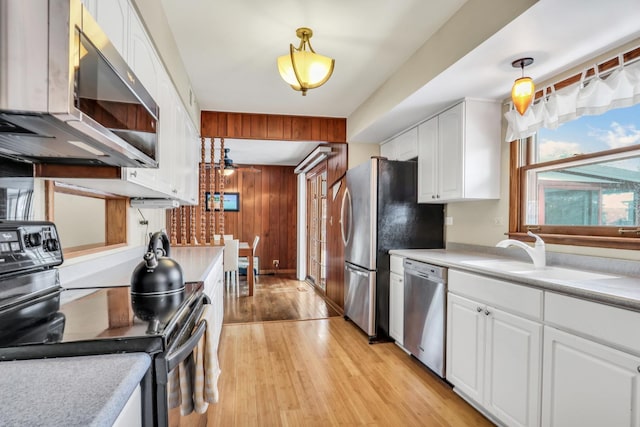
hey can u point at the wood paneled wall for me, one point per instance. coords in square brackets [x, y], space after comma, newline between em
[215, 124]
[267, 209]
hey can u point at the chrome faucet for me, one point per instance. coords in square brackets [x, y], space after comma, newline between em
[537, 253]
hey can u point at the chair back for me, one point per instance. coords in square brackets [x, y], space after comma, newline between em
[227, 236]
[255, 243]
[231, 252]
[216, 238]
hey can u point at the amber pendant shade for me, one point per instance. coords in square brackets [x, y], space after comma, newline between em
[522, 94]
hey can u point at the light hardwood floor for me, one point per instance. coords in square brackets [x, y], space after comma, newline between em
[323, 372]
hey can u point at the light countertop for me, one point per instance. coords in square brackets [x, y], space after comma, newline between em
[620, 291]
[196, 263]
[69, 391]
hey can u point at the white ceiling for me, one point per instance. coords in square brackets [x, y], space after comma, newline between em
[229, 50]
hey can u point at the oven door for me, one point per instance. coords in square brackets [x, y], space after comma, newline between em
[165, 363]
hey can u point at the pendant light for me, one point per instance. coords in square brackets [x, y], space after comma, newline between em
[523, 89]
[304, 69]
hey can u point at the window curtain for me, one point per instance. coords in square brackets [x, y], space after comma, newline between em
[592, 96]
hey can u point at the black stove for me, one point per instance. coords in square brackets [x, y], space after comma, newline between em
[34, 323]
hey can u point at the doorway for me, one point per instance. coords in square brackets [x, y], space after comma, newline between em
[317, 228]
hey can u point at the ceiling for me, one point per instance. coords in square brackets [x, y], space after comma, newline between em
[229, 50]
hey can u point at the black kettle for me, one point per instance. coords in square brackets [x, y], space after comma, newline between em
[157, 283]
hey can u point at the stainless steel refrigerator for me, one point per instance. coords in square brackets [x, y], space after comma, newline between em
[379, 213]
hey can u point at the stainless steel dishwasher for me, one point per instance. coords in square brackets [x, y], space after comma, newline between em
[425, 303]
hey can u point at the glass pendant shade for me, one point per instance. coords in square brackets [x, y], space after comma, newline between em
[304, 69]
[522, 93]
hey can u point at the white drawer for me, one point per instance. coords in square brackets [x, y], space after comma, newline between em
[609, 325]
[396, 264]
[510, 297]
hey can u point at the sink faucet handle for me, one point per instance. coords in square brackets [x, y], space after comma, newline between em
[539, 241]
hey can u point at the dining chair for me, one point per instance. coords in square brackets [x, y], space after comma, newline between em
[227, 236]
[230, 260]
[216, 238]
[243, 262]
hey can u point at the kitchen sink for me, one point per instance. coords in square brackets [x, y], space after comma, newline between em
[555, 273]
[546, 273]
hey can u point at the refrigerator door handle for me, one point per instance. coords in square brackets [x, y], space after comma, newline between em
[356, 271]
[345, 222]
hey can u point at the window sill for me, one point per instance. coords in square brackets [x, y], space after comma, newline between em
[631, 243]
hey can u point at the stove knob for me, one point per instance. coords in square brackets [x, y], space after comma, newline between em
[51, 245]
[33, 239]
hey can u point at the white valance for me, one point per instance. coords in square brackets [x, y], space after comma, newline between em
[592, 96]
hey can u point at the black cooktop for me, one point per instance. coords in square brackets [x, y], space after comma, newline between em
[96, 321]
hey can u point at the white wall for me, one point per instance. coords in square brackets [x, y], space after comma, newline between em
[360, 153]
[79, 220]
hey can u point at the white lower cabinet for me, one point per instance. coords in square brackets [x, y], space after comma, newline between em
[131, 414]
[494, 357]
[396, 307]
[587, 383]
[396, 299]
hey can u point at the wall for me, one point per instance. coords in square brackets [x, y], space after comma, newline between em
[77, 219]
[360, 153]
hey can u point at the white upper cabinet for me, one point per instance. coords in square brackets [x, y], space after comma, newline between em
[459, 154]
[402, 147]
[178, 142]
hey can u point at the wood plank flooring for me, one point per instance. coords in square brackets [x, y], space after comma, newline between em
[275, 297]
[320, 372]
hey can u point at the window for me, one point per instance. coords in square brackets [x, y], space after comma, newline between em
[580, 183]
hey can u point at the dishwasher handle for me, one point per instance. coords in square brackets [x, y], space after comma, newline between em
[433, 273]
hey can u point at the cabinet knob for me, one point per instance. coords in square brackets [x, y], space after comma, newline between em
[638, 368]
[134, 173]
[479, 309]
[433, 196]
[437, 196]
[487, 312]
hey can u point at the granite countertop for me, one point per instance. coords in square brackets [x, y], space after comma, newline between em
[69, 391]
[619, 290]
[196, 263]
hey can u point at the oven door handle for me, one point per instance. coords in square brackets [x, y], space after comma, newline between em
[181, 353]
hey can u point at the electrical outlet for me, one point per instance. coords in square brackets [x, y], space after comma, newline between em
[448, 220]
[276, 263]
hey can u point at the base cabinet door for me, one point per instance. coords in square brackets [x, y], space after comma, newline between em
[465, 346]
[494, 358]
[396, 307]
[513, 368]
[588, 384]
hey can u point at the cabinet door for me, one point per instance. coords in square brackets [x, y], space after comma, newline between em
[427, 161]
[113, 18]
[388, 150]
[465, 345]
[396, 307]
[142, 57]
[513, 368]
[588, 384]
[450, 153]
[406, 145]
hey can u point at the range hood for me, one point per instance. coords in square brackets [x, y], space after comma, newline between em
[66, 94]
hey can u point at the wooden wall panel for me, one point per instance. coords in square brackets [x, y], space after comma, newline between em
[216, 124]
[335, 248]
